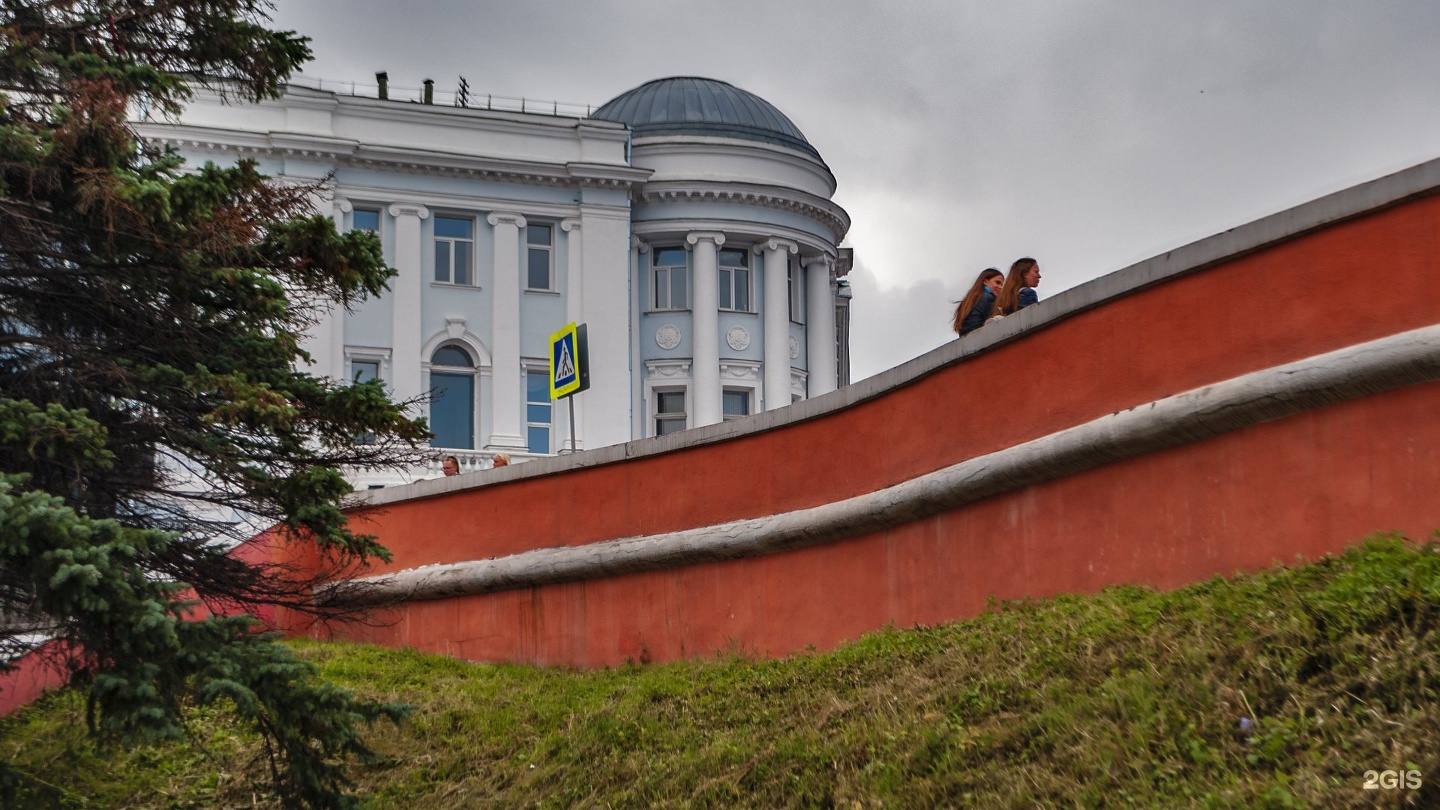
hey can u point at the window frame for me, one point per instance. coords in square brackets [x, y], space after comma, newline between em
[365, 209]
[749, 403]
[726, 274]
[669, 286]
[543, 372]
[436, 239]
[657, 416]
[548, 248]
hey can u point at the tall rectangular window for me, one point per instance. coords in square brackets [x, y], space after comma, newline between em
[668, 277]
[540, 255]
[454, 249]
[735, 403]
[537, 411]
[796, 277]
[364, 371]
[669, 412]
[367, 219]
[735, 280]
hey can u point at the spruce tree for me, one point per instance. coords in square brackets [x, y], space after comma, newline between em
[150, 405]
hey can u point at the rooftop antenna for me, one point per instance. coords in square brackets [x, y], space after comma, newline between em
[462, 96]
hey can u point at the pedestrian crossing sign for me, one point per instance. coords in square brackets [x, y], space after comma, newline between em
[569, 361]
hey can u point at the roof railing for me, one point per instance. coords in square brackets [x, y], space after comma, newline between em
[446, 98]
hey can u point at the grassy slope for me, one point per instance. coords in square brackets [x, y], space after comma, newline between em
[1127, 699]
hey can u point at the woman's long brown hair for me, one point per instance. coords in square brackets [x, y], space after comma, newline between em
[973, 297]
[1008, 301]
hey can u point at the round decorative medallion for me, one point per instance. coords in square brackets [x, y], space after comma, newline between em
[794, 347]
[738, 338]
[668, 336]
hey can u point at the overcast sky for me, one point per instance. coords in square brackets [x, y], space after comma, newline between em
[1090, 135]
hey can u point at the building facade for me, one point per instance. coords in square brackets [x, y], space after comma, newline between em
[687, 222]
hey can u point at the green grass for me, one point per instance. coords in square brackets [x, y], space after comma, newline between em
[1131, 698]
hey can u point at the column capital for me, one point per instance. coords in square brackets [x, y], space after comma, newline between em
[506, 218]
[344, 205]
[705, 236]
[409, 209]
[570, 224]
[777, 244]
[825, 260]
[636, 243]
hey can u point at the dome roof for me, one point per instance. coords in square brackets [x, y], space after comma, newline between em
[688, 105]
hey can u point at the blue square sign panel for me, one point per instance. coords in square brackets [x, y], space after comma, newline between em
[569, 361]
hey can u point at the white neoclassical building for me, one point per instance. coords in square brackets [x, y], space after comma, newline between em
[687, 222]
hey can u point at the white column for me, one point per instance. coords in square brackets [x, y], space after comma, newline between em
[505, 424]
[777, 321]
[819, 325]
[705, 310]
[405, 357]
[574, 313]
[336, 320]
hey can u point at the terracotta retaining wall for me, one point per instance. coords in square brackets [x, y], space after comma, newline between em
[1354, 267]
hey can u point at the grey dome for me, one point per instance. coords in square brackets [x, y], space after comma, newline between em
[689, 105]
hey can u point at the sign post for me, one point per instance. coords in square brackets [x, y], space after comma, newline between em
[569, 368]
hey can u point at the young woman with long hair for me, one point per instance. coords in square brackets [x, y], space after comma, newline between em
[975, 307]
[1019, 290]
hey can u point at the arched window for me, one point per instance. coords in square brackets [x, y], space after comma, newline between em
[452, 398]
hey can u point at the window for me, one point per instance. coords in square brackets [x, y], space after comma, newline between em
[540, 252]
[668, 275]
[452, 398]
[735, 403]
[669, 412]
[454, 249]
[364, 370]
[796, 277]
[735, 280]
[537, 411]
[367, 219]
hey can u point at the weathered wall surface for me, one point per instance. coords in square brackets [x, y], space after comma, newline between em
[1348, 269]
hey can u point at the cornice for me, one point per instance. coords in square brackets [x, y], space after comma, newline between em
[746, 231]
[345, 152]
[827, 213]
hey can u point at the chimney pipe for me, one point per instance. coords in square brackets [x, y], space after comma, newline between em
[429, 91]
[383, 79]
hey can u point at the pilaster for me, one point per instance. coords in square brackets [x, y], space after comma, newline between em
[405, 302]
[505, 424]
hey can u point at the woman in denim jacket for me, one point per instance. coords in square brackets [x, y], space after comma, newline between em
[1019, 290]
[975, 307]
